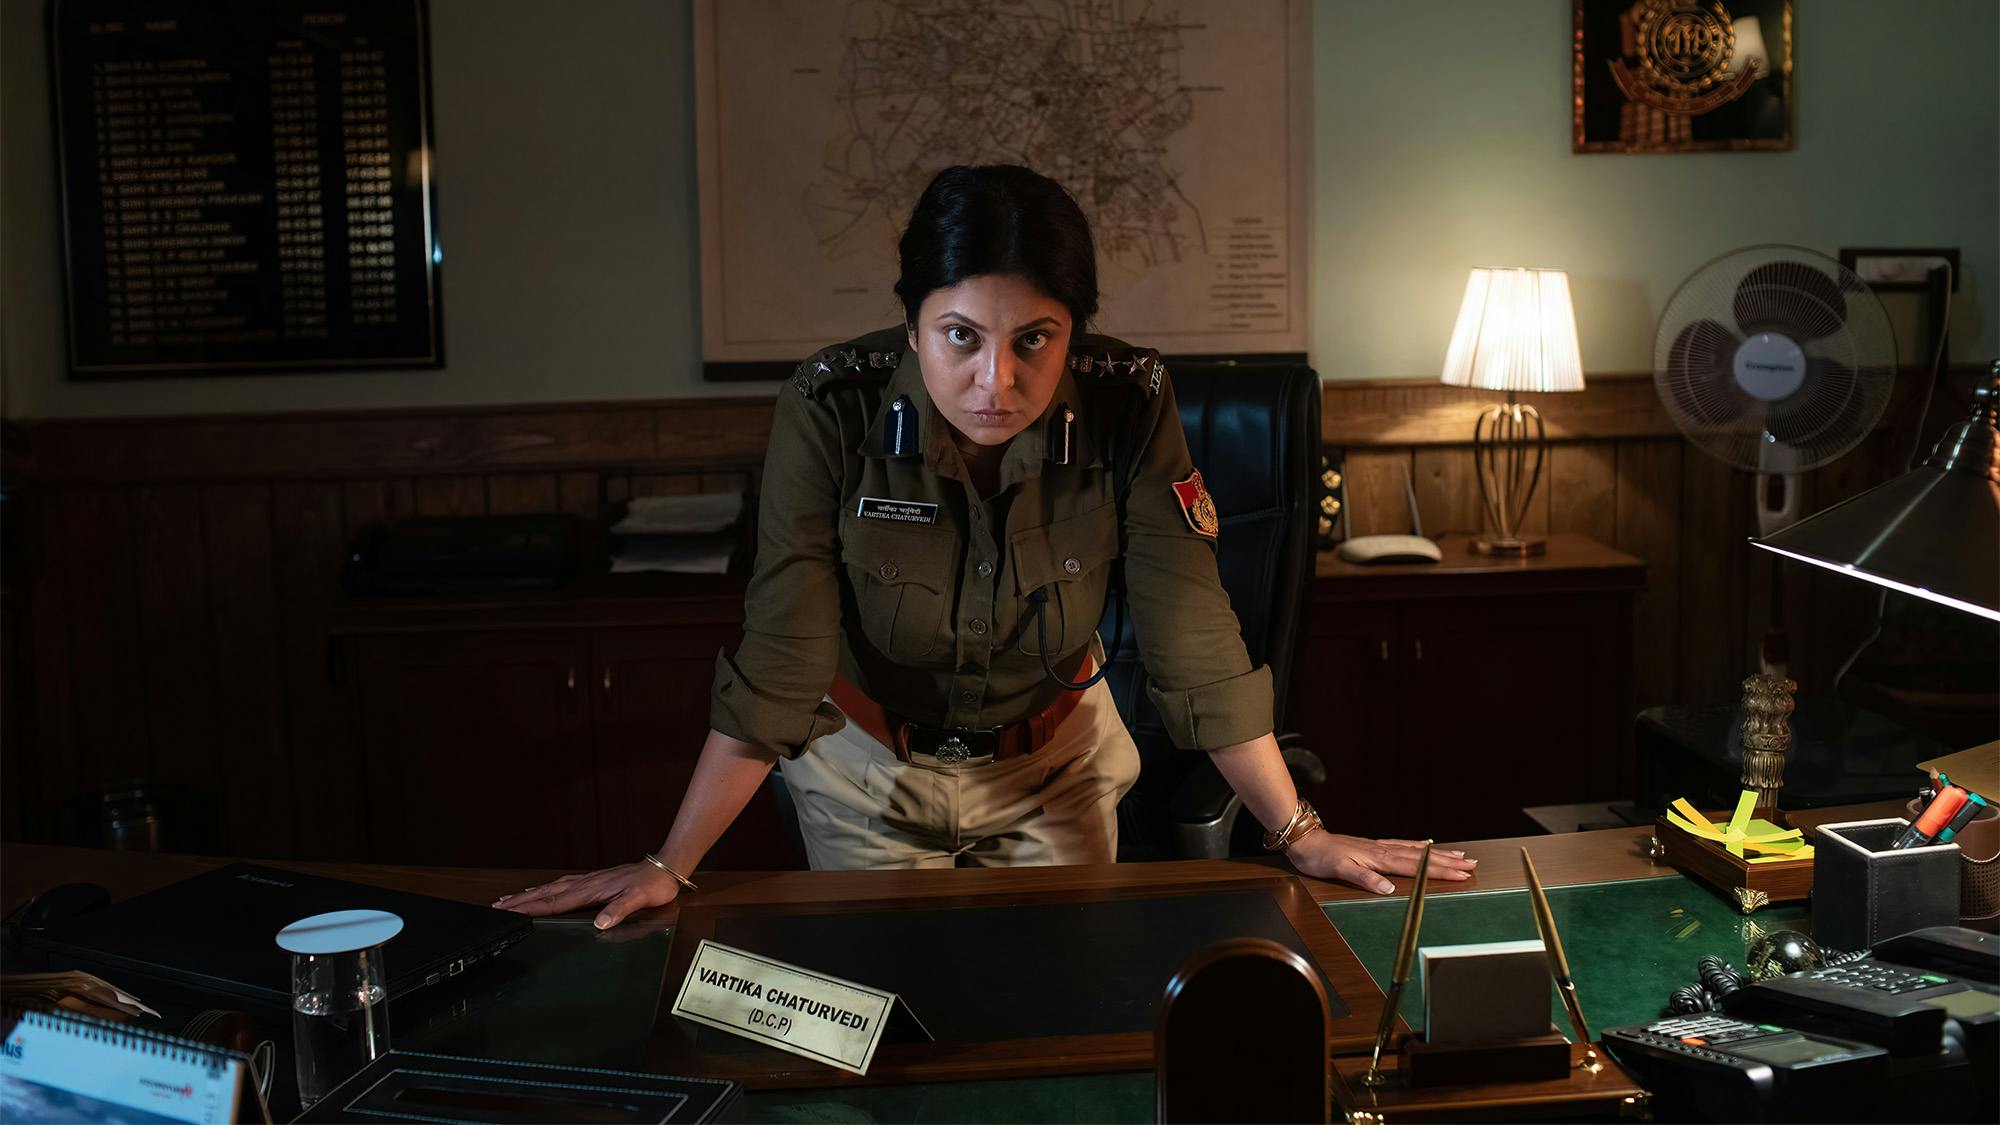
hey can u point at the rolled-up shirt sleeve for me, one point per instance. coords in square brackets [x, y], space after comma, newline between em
[771, 693]
[1199, 673]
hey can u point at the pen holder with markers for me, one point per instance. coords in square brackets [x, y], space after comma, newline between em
[1865, 891]
[1978, 867]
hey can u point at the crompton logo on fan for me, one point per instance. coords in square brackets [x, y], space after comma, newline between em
[14, 1048]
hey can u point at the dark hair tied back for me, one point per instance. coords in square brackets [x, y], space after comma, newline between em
[996, 219]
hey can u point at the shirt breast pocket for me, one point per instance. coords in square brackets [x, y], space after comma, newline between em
[901, 576]
[1072, 558]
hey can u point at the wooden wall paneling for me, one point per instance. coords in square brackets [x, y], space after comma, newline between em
[451, 496]
[509, 494]
[51, 770]
[580, 494]
[250, 690]
[377, 500]
[714, 480]
[328, 788]
[178, 653]
[1447, 483]
[97, 552]
[1583, 488]
[617, 490]
[1719, 645]
[666, 484]
[1647, 525]
[1375, 497]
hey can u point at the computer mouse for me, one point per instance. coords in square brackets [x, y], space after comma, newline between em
[1389, 549]
[57, 904]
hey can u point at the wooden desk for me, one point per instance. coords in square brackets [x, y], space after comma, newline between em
[1581, 860]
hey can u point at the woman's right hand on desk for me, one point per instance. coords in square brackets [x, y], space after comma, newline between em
[622, 890]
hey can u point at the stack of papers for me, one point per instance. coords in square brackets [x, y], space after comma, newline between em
[681, 534]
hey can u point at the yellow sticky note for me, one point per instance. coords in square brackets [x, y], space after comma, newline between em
[1745, 805]
[1700, 822]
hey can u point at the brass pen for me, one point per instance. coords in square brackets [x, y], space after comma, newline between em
[1399, 970]
[1545, 921]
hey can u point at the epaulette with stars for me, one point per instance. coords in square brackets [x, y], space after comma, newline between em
[864, 359]
[1104, 361]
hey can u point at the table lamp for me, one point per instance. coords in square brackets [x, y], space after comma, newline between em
[1933, 532]
[1516, 333]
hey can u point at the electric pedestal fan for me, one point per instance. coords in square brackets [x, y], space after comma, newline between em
[1776, 360]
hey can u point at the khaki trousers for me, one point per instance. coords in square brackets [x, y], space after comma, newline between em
[861, 807]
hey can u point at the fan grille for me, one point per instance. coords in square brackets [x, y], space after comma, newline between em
[1730, 381]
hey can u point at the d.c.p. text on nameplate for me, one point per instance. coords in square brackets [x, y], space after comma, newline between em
[810, 1014]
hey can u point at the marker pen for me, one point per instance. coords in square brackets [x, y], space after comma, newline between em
[1932, 820]
[1974, 805]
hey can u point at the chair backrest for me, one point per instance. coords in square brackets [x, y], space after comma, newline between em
[1253, 431]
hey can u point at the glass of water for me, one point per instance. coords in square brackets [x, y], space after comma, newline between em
[340, 997]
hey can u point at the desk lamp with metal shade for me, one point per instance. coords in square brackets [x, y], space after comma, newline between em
[1933, 532]
[1516, 332]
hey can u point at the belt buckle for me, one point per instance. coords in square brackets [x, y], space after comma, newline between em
[953, 751]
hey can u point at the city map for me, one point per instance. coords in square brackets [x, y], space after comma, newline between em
[1176, 124]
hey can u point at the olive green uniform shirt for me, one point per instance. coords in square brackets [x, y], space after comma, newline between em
[932, 620]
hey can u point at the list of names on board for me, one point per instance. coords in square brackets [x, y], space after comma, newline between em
[246, 185]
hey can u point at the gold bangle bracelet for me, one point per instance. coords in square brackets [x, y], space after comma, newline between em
[678, 877]
[1304, 820]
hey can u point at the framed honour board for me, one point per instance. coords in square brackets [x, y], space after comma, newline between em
[246, 186]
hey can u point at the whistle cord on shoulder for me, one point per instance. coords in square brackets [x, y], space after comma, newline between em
[1039, 599]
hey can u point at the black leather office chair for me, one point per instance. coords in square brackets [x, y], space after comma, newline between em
[1253, 431]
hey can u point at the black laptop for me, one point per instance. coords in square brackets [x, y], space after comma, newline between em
[217, 932]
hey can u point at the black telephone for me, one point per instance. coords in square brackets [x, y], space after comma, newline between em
[1899, 996]
[1713, 1067]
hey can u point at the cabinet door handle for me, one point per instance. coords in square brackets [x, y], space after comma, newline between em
[607, 685]
[1420, 648]
[1385, 652]
[571, 682]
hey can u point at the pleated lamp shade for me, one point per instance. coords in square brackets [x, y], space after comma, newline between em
[1516, 331]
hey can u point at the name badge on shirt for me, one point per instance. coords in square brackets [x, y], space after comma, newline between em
[896, 511]
[810, 1014]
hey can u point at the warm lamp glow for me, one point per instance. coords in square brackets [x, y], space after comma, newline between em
[1516, 332]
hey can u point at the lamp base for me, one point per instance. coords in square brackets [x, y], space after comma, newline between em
[1510, 547]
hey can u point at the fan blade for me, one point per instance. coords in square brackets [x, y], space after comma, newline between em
[1789, 298]
[1699, 376]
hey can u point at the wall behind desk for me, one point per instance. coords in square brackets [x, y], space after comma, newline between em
[566, 194]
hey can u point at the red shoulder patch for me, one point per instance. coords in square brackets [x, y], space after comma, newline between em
[1197, 505]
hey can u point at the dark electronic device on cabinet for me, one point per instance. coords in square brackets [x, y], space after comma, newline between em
[472, 554]
[1716, 1067]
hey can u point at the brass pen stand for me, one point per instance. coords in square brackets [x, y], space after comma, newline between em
[1532, 1078]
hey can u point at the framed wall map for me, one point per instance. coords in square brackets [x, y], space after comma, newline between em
[1682, 75]
[1181, 127]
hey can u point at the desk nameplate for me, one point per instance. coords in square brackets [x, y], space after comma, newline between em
[812, 1015]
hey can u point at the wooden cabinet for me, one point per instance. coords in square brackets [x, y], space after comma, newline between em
[543, 729]
[1445, 698]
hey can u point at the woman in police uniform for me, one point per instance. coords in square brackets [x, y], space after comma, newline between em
[945, 506]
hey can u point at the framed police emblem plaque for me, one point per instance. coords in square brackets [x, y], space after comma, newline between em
[1682, 75]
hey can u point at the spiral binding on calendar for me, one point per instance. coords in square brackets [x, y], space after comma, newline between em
[145, 1041]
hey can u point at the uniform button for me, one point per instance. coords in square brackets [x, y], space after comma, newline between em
[1071, 566]
[978, 627]
[968, 697]
[888, 571]
[985, 569]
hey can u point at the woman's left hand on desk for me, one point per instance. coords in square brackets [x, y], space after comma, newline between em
[1363, 863]
[622, 890]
